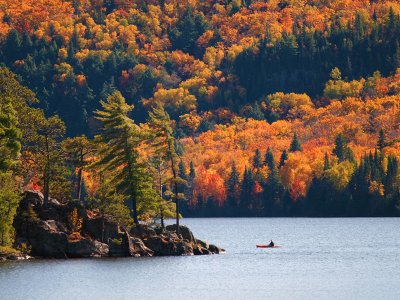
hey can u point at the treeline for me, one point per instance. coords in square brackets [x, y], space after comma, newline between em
[125, 185]
[369, 188]
[301, 61]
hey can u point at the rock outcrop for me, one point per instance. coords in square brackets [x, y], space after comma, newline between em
[47, 232]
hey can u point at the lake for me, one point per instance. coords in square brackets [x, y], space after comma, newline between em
[319, 259]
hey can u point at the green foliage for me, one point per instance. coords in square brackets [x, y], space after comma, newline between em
[9, 200]
[341, 150]
[295, 144]
[257, 161]
[77, 151]
[10, 134]
[119, 157]
[340, 175]
[164, 145]
[117, 241]
[283, 158]
[111, 204]
[188, 29]
[44, 150]
[358, 50]
[233, 187]
[381, 140]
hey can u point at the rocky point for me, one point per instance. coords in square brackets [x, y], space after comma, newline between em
[45, 230]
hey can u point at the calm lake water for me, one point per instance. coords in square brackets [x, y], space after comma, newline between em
[319, 259]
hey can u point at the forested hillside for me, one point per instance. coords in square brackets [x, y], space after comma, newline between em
[241, 108]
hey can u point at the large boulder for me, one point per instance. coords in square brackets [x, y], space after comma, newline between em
[182, 248]
[159, 246]
[138, 248]
[183, 231]
[86, 247]
[142, 231]
[102, 229]
[215, 250]
[117, 248]
[46, 239]
[203, 244]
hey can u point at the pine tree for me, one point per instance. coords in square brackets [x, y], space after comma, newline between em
[295, 144]
[232, 187]
[10, 134]
[341, 150]
[326, 162]
[283, 159]
[166, 209]
[381, 140]
[192, 173]
[9, 200]
[164, 143]
[77, 151]
[118, 154]
[257, 162]
[269, 159]
[185, 177]
[46, 150]
[110, 203]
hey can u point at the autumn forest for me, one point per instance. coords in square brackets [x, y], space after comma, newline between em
[146, 110]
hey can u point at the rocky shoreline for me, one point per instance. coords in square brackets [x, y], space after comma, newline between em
[46, 233]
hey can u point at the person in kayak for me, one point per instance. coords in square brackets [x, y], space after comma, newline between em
[271, 244]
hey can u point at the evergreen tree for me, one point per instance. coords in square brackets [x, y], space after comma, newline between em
[326, 162]
[295, 144]
[183, 188]
[341, 150]
[283, 159]
[118, 154]
[10, 134]
[77, 151]
[191, 183]
[381, 140]
[9, 201]
[110, 204]
[164, 143]
[45, 149]
[269, 159]
[232, 187]
[166, 209]
[10, 148]
[257, 162]
[246, 199]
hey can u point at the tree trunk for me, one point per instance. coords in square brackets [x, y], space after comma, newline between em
[79, 187]
[102, 229]
[175, 186]
[128, 157]
[161, 196]
[162, 219]
[135, 214]
[46, 175]
[45, 190]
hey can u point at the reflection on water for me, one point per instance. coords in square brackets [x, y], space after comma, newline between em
[319, 258]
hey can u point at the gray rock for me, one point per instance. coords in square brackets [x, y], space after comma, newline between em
[183, 231]
[138, 248]
[142, 231]
[94, 228]
[46, 240]
[215, 250]
[202, 243]
[86, 248]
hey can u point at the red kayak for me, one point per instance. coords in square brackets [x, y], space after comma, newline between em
[267, 246]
